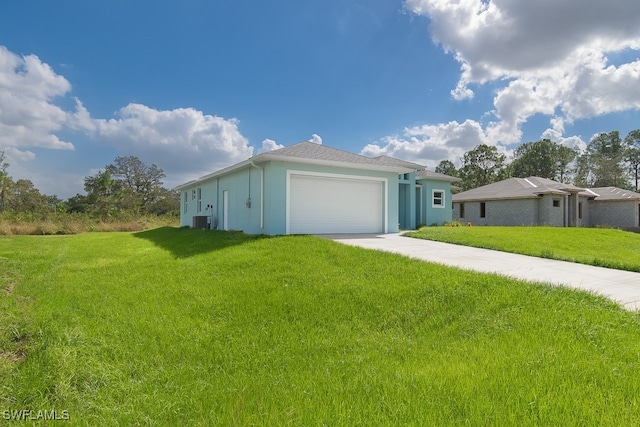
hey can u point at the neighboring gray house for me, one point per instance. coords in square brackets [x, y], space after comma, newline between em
[309, 188]
[541, 201]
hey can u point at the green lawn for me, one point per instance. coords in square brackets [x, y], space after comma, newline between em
[186, 327]
[595, 246]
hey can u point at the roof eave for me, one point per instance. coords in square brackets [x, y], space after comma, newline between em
[489, 199]
[215, 174]
[361, 166]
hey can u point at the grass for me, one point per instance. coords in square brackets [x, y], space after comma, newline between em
[594, 246]
[186, 327]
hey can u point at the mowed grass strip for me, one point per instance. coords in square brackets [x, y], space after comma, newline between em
[186, 327]
[601, 247]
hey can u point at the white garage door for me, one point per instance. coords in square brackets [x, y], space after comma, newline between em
[328, 204]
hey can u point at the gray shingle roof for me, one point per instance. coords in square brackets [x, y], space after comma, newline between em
[613, 193]
[435, 176]
[391, 161]
[312, 151]
[309, 152]
[517, 188]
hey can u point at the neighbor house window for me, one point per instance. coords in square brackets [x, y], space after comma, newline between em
[483, 209]
[461, 210]
[199, 199]
[556, 203]
[580, 210]
[186, 201]
[438, 199]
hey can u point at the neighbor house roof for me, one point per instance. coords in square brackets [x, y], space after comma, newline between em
[312, 153]
[613, 194]
[517, 188]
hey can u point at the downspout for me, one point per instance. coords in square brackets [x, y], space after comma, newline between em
[261, 192]
[217, 203]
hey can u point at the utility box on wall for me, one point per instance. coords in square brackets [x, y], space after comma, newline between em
[201, 222]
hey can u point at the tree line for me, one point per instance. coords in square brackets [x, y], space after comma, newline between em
[130, 186]
[125, 186]
[608, 160]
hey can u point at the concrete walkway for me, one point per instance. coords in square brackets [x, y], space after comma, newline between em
[620, 286]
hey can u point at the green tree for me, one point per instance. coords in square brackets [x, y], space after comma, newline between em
[140, 185]
[602, 164]
[565, 157]
[544, 158]
[5, 180]
[103, 195]
[482, 165]
[447, 167]
[167, 202]
[25, 197]
[632, 156]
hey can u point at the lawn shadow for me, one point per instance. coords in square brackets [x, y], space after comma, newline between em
[187, 242]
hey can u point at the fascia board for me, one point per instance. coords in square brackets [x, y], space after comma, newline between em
[213, 175]
[360, 166]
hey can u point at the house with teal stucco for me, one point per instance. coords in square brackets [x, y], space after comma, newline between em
[309, 188]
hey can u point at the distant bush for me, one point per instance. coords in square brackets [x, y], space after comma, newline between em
[56, 223]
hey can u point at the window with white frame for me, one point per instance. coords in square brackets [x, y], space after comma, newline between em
[437, 200]
[199, 199]
[186, 201]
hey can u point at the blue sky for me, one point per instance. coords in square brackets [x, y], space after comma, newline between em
[197, 85]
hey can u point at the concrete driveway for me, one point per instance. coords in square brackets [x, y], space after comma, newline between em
[620, 286]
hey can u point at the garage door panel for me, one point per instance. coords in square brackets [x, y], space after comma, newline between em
[322, 205]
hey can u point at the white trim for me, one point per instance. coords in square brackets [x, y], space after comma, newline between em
[261, 198]
[385, 184]
[530, 183]
[433, 193]
[419, 203]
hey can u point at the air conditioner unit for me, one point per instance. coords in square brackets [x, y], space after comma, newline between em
[201, 222]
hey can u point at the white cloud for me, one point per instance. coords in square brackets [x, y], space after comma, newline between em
[429, 144]
[184, 141]
[316, 139]
[269, 145]
[546, 57]
[28, 115]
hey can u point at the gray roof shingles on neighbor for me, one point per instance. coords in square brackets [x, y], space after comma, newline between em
[614, 193]
[531, 187]
[517, 188]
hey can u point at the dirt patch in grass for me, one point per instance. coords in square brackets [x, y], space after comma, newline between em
[14, 356]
